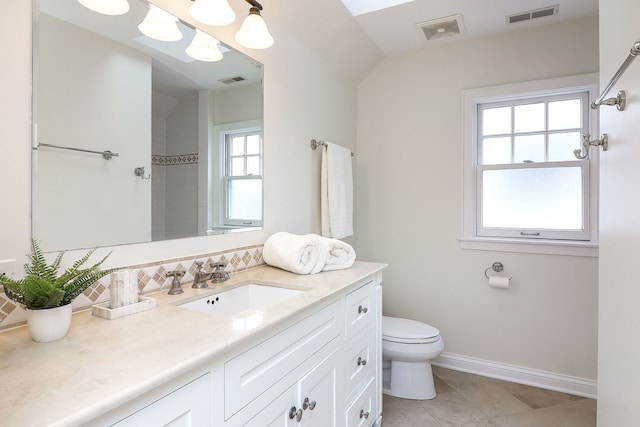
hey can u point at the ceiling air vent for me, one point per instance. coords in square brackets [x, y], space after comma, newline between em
[231, 80]
[533, 14]
[443, 27]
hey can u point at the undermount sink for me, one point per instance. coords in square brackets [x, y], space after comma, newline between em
[243, 300]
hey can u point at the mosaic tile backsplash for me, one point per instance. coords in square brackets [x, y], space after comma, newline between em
[151, 278]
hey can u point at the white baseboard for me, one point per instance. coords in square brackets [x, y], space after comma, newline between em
[533, 377]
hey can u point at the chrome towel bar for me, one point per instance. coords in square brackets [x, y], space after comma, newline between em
[317, 143]
[107, 155]
[620, 101]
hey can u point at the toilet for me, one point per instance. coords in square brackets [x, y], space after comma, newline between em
[408, 347]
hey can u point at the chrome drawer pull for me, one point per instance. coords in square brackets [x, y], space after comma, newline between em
[308, 405]
[293, 413]
[363, 414]
[362, 309]
[362, 361]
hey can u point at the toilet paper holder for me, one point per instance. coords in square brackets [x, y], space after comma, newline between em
[496, 266]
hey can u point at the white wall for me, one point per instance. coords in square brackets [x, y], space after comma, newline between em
[408, 200]
[295, 112]
[619, 309]
[76, 69]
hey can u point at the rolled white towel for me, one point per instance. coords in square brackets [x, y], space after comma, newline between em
[340, 255]
[298, 254]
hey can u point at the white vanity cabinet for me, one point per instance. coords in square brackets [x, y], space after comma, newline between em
[318, 368]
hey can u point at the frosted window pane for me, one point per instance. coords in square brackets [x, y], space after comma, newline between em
[496, 151]
[245, 199]
[530, 147]
[237, 166]
[564, 114]
[535, 198]
[237, 146]
[561, 146]
[496, 121]
[529, 118]
[253, 165]
[253, 144]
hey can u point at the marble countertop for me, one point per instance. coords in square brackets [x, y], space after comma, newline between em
[102, 364]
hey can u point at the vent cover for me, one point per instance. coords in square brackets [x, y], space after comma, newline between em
[533, 14]
[440, 28]
[231, 80]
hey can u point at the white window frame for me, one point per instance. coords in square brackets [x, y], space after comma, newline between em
[226, 179]
[216, 192]
[471, 238]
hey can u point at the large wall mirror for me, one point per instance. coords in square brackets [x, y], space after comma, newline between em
[186, 134]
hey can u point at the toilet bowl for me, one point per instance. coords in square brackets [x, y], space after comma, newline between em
[408, 347]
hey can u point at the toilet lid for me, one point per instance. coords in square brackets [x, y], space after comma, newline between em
[407, 331]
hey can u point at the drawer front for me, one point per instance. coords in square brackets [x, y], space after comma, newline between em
[360, 309]
[361, 412]
[360, 362]
[251, 373]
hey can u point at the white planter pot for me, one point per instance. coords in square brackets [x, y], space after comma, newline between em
[49, 324]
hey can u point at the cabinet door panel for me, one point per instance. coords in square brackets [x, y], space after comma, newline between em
[276, 414]
[188, 406]
[318, 394]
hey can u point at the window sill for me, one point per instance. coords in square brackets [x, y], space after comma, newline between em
[547, 247]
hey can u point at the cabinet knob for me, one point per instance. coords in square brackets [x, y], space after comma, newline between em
[363, 414]
[308, 405]
[362, 361]
[295, 413]
[362, 309]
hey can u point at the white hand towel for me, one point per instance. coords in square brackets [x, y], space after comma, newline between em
[298, 254]
[336, 192]
[340, 255]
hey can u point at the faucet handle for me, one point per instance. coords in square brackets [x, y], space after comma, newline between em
[176, 274]
[176, 288]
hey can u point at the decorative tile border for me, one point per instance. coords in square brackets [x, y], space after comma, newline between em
[179, 159]
[151, 278]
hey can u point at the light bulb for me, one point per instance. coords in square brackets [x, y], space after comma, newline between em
[204, 48]
[212, 12]
[253, 32]
[160, 25]
[106, 7]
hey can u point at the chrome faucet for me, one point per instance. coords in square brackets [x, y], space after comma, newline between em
[200, 277]
[176, 288]
[219, 275]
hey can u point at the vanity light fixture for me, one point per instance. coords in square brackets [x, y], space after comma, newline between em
[212, 12]
[106, 7]
[254, 33]
[160, 25]
[204, 48]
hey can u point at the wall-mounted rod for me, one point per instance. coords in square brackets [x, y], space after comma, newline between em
[107, 155]
[317, 143]
[620, 101]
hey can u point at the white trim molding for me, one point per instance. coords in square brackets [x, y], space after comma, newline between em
[517, 374]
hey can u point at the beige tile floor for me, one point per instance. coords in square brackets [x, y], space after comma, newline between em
[467, 400]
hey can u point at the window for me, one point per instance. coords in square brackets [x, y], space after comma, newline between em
[522, 180]
[243, 179]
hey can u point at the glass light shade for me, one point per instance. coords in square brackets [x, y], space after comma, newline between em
[204, 48]
[106, 7]
[253, 32]
[160, 25]
[212, 12]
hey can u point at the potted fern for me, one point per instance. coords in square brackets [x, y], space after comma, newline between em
[47, 296]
